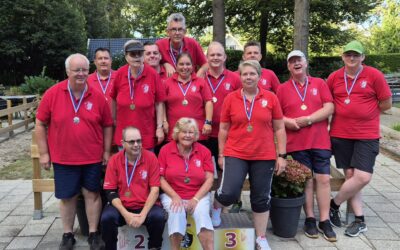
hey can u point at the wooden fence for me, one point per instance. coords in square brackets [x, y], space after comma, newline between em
[11, 112]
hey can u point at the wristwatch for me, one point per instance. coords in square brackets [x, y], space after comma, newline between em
[284, 156]
[208, 122]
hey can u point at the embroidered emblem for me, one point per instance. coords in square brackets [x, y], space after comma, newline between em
[88, 105]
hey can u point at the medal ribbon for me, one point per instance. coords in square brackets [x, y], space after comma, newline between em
[184, 92]
[187, 161]
[353, 83]
[172, 55]
[248, 114]
[76, 106]
[130, 177]
[298, 92]
[216, 87]
[104, 89]
[131, 85]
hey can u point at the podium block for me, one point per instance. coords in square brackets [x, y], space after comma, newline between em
[136, 238]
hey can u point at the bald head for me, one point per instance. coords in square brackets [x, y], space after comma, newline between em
[216, 56]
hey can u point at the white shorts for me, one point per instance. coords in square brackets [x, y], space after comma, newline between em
[177, 220]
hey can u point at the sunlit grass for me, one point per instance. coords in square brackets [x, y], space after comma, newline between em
[21, 169]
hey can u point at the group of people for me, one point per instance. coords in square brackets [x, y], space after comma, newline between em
[171, 109]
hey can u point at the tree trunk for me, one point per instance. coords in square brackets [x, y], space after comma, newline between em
[263, 31]
[219, 21]
[301, 25]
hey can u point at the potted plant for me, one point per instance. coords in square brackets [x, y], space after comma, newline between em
[287, 198]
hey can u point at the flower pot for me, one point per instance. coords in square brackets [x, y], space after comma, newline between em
[285, 214]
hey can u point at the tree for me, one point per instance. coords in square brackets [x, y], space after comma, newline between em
[301, 25]
[219, 21]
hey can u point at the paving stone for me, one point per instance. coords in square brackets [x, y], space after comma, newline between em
[392, 196]
[374, 199]
[3, 215]
[24, 243]
[15, 220]
[395, 227]
[44, 220]
[368, 211]
[375, 221]
[20, 191]
[285, 245]
[386, 244]
[377, 233]
[390, 217]
[35, 230]
[13, 199]
[5, 239]
[10, 230]
[387, 207]
[23, 210]
[308, 243]
[7, 206]
[3, 245]
[49, 245]
[386, 188]
[370, 191]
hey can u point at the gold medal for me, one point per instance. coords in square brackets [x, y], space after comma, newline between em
[303, 107]
[185, 102]
[128, 194]
[249, 128]
[347, 101]
[214, 99]
[132, 106]
[187, 180]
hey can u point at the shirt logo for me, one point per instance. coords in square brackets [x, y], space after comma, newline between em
[363, 84]
[264, 103]
[264, 81]
[146, 88]
[314, 91]
[227, 86]
[88, 105]
[143, 174]
[198, 163]
[194, 88]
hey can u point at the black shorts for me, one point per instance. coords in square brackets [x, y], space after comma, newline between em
[352, 153]
[318, 160]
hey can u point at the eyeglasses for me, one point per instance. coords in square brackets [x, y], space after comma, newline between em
[176, 30]
[135, 53]
[80, 70]
[132, 142]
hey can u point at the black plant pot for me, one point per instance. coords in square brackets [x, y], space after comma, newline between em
[285, 214]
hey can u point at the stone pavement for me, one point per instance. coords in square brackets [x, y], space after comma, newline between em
[381, 205]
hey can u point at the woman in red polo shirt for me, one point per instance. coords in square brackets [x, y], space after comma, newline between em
[188, 96]
[187, 175]
[249, 119]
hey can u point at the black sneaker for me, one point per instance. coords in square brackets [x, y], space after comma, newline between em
[95, 241]
[355, 228]
[236, 207]
[67, 242]
[310, 228]
[326, 229]
[334, 217]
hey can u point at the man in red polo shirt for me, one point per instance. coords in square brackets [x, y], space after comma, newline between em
[221, 82]
[268, 80]
[360, 93]
[176, 43]
[103, 78]
[152, 57]
[306, 104]
[74, 132]
[132, 185]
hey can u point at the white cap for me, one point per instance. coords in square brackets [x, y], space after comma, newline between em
[295, 53]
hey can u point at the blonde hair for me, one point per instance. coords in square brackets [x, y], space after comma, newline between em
[252, 63]
[185, 123]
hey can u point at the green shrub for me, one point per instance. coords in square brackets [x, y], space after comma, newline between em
[396, 127]
[37, 84]
[13, 90]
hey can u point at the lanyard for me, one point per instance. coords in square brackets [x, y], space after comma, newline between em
[248, 113]
[76, 106]
[216, 87]
[353, 83]
[187, 161]
[172, 55]
[131, 85]
[184, 92]
[130, 177]
[104, 89]
[302, 97]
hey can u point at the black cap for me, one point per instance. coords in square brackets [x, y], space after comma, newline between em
[133, 45]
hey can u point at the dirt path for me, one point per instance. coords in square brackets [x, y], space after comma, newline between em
[14, 148]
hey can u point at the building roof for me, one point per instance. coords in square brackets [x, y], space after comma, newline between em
[115, 45]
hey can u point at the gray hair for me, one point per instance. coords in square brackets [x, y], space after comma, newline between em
[252, 63]
[176, 17]
[68, 60]
[185, 123]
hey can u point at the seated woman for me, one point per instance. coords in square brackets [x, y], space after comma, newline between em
[186, 171]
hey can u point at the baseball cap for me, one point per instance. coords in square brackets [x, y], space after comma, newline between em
[354, 46]
[133, 45]
[295, 53]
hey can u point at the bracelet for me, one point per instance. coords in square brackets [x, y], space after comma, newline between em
[194, 198]
[220, 155]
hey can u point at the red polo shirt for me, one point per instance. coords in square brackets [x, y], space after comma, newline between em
[163, 74]
[268, 80]
[172, 167]
[197, 94]
[229, 81]
[360, 118]
[74, 143]
[190, 45]
[148, 90]
[315, 136]
[94, 82]
[259, 143]
[146, 175]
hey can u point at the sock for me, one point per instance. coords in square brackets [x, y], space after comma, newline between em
[361, 218]
[333, 205]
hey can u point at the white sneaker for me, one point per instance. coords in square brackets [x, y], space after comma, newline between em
[262, 243]
[216, 216]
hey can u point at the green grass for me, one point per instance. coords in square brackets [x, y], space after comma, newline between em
[21, 169]
[396, 104]
[396, 127]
